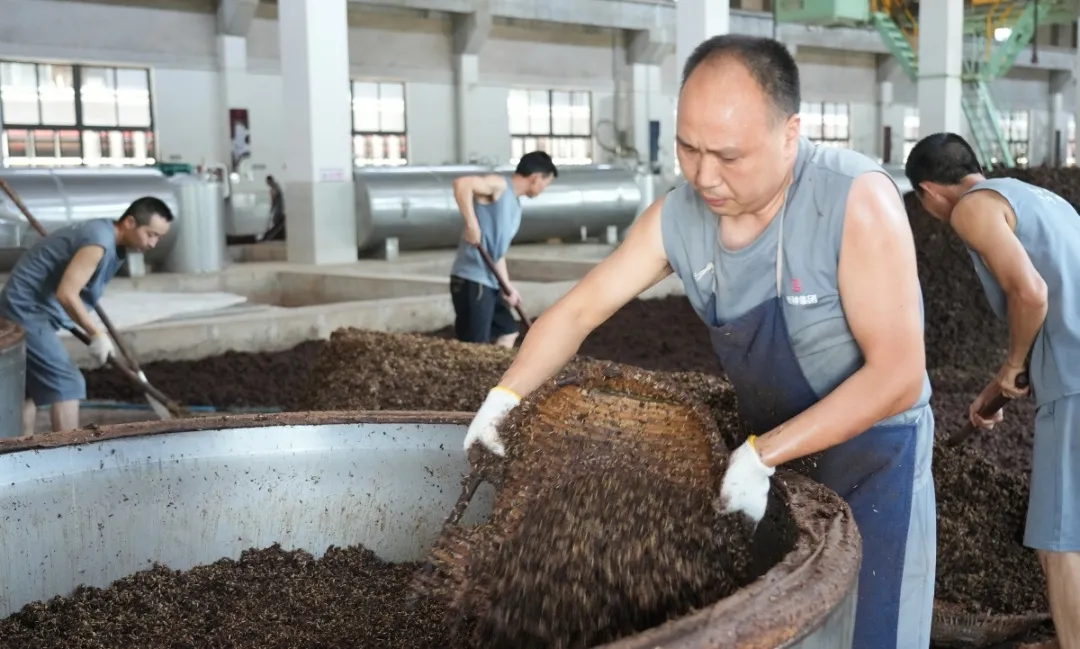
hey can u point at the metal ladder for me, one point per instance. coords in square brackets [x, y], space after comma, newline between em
[991, 143]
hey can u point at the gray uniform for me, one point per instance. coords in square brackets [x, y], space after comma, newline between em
[1048, 228]
[783, 289]
[29, 298]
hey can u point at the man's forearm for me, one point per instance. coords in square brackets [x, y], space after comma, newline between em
[76, 310]
[1026, 316]
[553, 340]
[869, 395]
[503, 273]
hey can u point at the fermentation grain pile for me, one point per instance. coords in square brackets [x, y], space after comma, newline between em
[269, 599]
[603, 524]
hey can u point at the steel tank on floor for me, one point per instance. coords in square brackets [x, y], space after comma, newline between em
[12, 378]
[62, 196]
[95, 507]
[416, 205]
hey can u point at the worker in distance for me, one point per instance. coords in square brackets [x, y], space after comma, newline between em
[490, 204]
[1024, 242]
[801, 262]
[55, 284]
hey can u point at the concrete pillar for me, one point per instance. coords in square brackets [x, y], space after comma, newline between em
[696, 21]
[471, 32]
[1076, 89]
[645, 53]
[941, 38]
[321, 218]
[1058, 121]
[232, 86]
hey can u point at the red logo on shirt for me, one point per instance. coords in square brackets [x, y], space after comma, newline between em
[796, 286]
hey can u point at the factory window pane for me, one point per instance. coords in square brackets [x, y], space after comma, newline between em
[1016, 126]
[1070, 149]
[19, 93]
[56, 89]
[556, 121]
[98, 94]
[379, 136]
[133, 97]
[826, 123]
[911, 130]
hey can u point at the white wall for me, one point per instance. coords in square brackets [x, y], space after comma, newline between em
[178, 39]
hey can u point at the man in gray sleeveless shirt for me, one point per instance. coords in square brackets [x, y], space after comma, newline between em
[801, 263]
[55, 284]
[490, 205]
[1025, 244]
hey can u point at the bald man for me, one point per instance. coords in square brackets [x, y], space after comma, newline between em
[801, 263]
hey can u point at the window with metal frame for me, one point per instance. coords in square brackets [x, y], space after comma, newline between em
[827, 123]
[1017, 127]
[378, 118]
[60, 114]
[558, 122]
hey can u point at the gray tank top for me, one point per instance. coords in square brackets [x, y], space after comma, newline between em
[723, 284]
[499, 223]
[29, 296]
[1049, 230]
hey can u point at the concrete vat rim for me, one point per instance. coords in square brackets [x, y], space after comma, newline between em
[792, 600]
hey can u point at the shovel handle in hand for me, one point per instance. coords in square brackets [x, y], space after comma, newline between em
[997, 403]
[131, 376]
[490, 263]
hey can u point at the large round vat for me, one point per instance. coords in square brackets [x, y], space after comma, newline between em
[90, 507]
[62, 196]
[416, 205]
[12, 378]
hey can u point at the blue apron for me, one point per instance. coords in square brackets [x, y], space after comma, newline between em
[873, 472]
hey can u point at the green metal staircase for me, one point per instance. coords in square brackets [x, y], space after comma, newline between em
[985, 58]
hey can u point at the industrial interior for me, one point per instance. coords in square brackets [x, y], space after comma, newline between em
[299, 455]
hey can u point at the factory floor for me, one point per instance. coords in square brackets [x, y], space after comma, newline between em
[260, 302]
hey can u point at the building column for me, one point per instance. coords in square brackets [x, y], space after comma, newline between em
[232, 77]
[318, 178]
[696, 21]
[1057, 150]
[471, 32]
[941, 31]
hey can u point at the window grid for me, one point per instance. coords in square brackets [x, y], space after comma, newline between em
[826, 123]
[558, 122]
[378, 124]
[75, 115]
[1017, 127]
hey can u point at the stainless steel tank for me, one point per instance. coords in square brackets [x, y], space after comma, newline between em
[12, 378]
[417, 206]
[199, 245]
[91, 507]
[61, 196]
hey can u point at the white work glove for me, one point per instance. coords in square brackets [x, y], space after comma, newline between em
[745, 487]
[485, 425]
[101, 348]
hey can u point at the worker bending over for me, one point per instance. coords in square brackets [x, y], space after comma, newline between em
[801, 262]
[1025, 244]
[491, 207]
[56, 283]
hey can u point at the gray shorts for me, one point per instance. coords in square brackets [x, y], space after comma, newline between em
[1053, 517]
[51, 375]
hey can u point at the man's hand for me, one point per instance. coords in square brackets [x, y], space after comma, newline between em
[973, 411]
[1006, 381]
[485, 425]
[513, 298]
[101, 348]
[745, 487]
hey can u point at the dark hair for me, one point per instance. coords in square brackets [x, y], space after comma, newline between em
[536, 162]
[943, 158]
[768, 60]
[143, 209]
